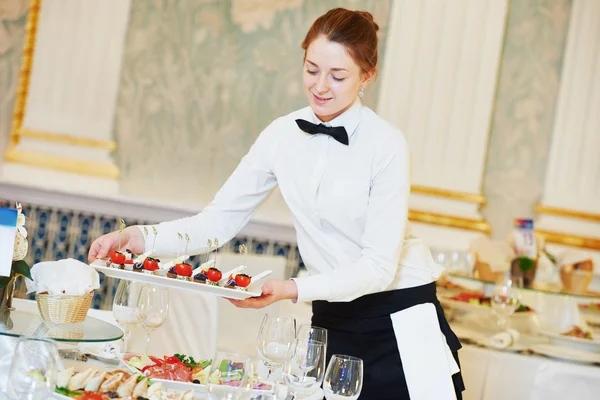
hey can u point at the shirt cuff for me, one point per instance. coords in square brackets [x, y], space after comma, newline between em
[314, 287]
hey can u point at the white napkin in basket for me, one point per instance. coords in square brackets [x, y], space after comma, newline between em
[67, 276]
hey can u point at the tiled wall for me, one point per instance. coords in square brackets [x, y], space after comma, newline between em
[55, 234]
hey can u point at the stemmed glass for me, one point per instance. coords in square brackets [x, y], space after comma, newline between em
[307, 332]
[304, 369]
[274, 340]
[505, 300]
[126, 307]
[33, 370]
[153, 309]
[343, 378]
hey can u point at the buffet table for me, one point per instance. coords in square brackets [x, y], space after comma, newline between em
[489, 374]
[500, 375]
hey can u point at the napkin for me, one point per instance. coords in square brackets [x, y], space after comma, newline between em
[67, 276]
[496, 253]
[569, 257]
[419, 338]
[505, 339]
[555, 313]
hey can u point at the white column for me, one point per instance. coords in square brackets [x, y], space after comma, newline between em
[438, 86]
[70, 92]
[570, 204]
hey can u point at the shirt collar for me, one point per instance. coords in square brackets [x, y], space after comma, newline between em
[349, 119]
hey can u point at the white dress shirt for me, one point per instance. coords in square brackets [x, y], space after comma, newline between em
[349, 205]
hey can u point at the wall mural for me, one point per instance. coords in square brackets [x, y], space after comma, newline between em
[201, 79]
[524, 114]
[13, 15]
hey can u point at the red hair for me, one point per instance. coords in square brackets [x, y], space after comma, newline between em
[356, 30]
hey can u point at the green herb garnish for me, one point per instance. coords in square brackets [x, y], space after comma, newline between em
[66, 392]
[190, 362]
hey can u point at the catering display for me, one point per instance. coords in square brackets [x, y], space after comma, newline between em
[96, 384]
[178, 273]
[181, 372]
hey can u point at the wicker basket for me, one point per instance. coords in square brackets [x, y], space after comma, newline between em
[64, 309]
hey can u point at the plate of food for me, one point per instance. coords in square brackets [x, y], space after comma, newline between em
[565, 353]
[99, 384]
[478, 302]
[180, 372]
[591, 313]
[575, 337]
[179, 274]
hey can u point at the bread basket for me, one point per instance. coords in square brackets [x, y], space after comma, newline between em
[64, 309]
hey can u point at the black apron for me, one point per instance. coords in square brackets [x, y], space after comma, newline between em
[363, 328]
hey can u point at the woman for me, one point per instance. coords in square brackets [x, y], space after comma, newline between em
[344, 174]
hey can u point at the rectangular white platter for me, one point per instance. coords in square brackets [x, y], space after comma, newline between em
[100, 266]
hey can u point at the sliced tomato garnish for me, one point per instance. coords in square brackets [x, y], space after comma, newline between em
[156, 360]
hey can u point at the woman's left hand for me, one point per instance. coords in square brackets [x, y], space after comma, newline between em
[272, 291]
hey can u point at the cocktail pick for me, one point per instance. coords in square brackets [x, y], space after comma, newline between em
[216, 242]
[155, 235]
[180, 236]
[121, 229]
[187, 242]
[242, 249]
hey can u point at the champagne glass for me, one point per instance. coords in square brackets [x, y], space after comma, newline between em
[153, 309]
[228, 376]
[307, 332]
[33, 370]
[304, 370]
[126, 307]
[275, 339]
[343, 378]
[505, 300]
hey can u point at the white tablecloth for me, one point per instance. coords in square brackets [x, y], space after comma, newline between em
[497, 375]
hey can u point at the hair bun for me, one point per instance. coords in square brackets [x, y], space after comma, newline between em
[370, 17]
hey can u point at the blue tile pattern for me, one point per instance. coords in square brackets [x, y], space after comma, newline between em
[56, 233]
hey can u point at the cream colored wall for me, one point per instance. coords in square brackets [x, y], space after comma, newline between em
[200, 79]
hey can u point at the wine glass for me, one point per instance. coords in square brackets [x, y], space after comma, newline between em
[33, 370]
[505, 300]
[343, 378]
[308, 332]
[126, 307]
[153, 309]
[304, 369]
[275, 338]
[228, 376]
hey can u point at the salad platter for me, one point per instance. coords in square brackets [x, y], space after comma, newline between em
[182, 373]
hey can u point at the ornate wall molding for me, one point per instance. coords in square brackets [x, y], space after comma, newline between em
[68, 88]
[569, 211]
[439, 83]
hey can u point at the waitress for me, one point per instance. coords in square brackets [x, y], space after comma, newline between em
[344, 174]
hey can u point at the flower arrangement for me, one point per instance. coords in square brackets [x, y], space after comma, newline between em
[19, 265]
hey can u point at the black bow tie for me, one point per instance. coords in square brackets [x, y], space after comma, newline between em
[338, 132]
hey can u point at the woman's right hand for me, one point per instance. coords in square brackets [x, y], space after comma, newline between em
[132, 238]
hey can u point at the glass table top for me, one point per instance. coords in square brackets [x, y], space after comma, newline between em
[553, 289]
[18, 323]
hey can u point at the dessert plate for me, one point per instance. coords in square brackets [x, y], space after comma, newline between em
[253, 289]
